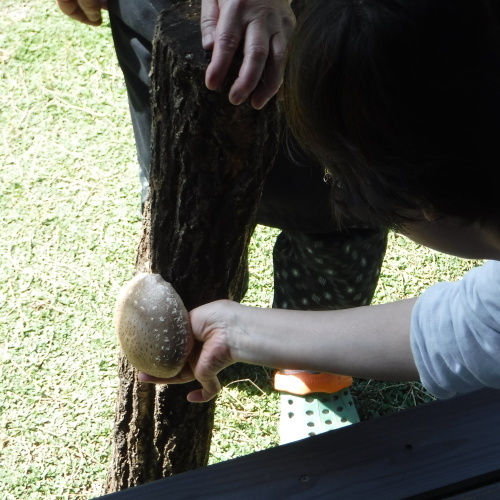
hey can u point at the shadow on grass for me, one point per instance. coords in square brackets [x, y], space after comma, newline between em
[251, 379]
[375, 399]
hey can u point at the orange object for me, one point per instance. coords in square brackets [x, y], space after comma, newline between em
[302, 383]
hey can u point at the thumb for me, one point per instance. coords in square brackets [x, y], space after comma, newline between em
[208, 22]
[209, 390]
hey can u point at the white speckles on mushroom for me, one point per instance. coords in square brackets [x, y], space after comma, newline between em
[150, 314]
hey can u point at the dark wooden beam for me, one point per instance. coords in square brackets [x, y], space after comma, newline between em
[445, 449]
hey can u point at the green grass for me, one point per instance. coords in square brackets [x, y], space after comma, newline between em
[70, 226]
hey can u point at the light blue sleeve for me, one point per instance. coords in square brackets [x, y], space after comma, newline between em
[455, 333]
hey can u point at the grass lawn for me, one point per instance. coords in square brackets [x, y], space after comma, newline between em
[70, 226]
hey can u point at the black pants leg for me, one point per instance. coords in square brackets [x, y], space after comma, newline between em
[327, 271]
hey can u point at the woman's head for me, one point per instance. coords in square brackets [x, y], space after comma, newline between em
[400, 100]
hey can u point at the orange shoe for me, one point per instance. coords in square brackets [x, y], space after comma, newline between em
[302, 383]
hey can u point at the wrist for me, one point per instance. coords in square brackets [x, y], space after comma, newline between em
[255, 336]
[231, 314]
[218, 323]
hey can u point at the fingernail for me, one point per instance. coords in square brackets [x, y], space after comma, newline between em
[259, 105]
[236, 99]
[207, 40]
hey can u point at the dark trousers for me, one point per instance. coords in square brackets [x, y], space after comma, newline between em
[316, 266]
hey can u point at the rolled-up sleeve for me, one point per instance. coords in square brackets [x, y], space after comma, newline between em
[455, 333]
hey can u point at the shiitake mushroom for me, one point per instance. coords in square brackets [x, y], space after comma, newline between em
[153, 326]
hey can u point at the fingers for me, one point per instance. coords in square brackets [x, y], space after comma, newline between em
[184, 376]
[261, 72]
[208, 23]
[264, 28]
[84, 11]
[256, 52]
[272, 75]
[226, 40]
[211, 325]
[206, 364]
[149, 379]
[203, 365]
[203, 395]
[91, 9]
[210, 386]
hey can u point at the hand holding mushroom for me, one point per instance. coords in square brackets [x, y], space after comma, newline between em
[370, 342]
[155, 334]
[213, 326]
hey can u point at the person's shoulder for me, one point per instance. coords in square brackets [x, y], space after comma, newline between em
[490, 269]
[482, 284]
[493, 264]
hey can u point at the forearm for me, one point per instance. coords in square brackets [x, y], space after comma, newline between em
[367, 342]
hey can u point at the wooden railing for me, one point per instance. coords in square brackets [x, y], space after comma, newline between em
[448, 449]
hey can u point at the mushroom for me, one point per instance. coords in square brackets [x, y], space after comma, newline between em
[153, 326]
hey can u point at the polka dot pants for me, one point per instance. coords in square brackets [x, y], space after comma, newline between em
[327, 271]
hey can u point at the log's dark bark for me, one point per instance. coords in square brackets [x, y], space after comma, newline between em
[209, 163]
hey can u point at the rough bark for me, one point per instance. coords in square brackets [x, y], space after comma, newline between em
[209, 163]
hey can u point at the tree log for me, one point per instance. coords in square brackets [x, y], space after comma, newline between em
[209, 162]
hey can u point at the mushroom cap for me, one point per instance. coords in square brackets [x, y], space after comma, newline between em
[153, 326]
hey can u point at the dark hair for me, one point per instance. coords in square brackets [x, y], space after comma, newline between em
[400, 100]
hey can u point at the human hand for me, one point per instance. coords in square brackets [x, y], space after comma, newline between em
[85, 11]
[263, 27]
[212, 325]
